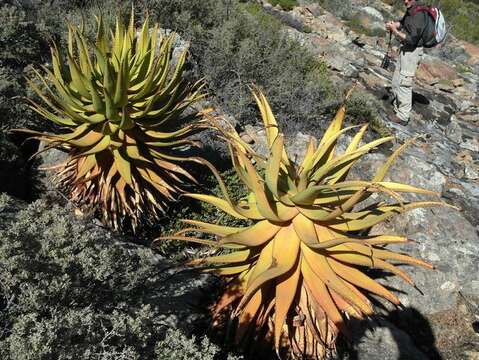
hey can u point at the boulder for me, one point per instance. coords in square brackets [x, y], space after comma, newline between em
[473, 52]
[445, 236]
[369, 18]
[446, 240]
[432, 70]
[298, 145]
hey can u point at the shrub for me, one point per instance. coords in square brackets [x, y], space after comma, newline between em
[70, 290]
[20, 46]
[340, 8]
[462, 15]
[285, 4]
[235, 44]
[254, 49]
[66, 290]
[178, 347]
[363, 107]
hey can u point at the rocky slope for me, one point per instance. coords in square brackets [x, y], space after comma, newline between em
[442, 322]
[445, 159]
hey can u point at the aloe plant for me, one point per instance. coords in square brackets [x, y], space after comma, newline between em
[295, 274]
[122, 105]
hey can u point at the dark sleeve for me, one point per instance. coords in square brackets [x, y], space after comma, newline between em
[413, 27]
[401, 21]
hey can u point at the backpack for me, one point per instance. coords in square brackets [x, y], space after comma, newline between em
[440, 30]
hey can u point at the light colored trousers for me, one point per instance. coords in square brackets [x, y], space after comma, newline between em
[403, 79]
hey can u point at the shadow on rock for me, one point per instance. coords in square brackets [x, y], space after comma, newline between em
[411, 321]
[404, 334]
[419, 99]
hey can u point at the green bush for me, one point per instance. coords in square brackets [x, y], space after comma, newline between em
[363, 108]
[462, 15]
[54, 15]
[285, 4]
[178, 347]
[340, 8]
[236, 44]
[253, 49]
[69, 290]
[20, 46]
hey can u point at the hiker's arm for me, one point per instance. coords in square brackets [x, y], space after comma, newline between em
[399, 34]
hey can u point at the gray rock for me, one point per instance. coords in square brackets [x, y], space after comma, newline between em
[372, 12]
[51, 157]
[382, 341]
[179, 46]
[298, 145]
[471, 172]
[471, 144]
[370, 18]
[454, 131]
[446, 240]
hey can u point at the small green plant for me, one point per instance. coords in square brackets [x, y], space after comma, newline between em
[363, 108]
[463, 69]
[285, 4]
[266, 19]
[340, 8]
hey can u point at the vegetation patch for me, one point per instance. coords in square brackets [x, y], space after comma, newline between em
[285, 4]
[70, 290]
[363, 108]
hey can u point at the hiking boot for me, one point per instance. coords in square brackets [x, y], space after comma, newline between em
[396, 119]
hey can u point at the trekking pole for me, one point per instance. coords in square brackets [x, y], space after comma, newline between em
[387, 59]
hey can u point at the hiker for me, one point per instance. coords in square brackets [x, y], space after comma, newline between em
[413, 31]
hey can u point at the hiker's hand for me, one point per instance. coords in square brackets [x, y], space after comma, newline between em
[392, 25]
